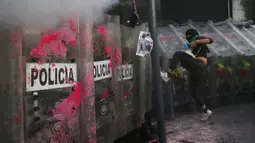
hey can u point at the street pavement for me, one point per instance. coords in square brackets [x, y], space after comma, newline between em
[232, 124]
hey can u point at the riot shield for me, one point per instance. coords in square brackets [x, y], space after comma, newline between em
[234, 37]
[46, 95]
[240, 64]
[243, 68]
[176, 94]
[136, 90]
[51, 113]
[107, 63]
[11, 87]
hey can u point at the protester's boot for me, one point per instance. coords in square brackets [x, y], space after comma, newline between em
[206, 115]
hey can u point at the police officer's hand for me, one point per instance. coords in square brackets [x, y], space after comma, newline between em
[193, 44]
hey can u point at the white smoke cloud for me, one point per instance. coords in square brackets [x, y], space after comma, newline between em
[47, 11]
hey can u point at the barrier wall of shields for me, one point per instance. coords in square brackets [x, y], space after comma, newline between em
[253, 83]
[224, 82]
[51, 96]
[250, 34]
[182, 99]
[240, 65]
[242, 72]
[228, 77]
[107, 57]
[122, 93]
[136, 90]
[169, 40]
[234, 80]
[242, 79]
[11, 84]
[38, 84]
[235, 38]
[50, 112]
[232, 72]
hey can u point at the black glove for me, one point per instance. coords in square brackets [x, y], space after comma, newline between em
[134, 20]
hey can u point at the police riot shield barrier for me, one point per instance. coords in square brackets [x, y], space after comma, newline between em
[51, 92]
[246, 31]
[169, 42]
[136, 89]
[229, 57]
[244, 69]
[220, 46]
[12, 127]
[107, 62]
[175, 93]
[236, 37]
[39, 74]
[251, 30]
[240, 65]
[51, 97]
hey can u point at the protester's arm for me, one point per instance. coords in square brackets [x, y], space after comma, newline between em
[204, 40]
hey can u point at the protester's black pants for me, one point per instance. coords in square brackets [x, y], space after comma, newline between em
[195, 67]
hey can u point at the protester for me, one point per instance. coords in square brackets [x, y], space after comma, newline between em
[195, 62]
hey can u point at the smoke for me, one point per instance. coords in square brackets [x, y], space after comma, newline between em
[47, 12]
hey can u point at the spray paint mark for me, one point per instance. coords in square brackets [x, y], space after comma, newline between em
[54, 43]
[105, 95]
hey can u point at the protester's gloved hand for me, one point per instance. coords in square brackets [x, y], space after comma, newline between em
[134, 20]
[186, 46]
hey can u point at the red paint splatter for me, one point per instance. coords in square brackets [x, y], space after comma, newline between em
[105, 95]
[108, 49]
[49, 112]
[53, 42]
[68, 107]
[126, 93]
[101, 31]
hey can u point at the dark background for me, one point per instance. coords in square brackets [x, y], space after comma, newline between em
[176, 10]
[198, 10]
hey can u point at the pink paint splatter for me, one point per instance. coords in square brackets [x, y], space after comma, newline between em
[101, 31]
[126, 94]
[53, 42]
[68, 107]
[105, 95]
[108, 49]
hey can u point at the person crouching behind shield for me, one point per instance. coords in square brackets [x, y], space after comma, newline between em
[195, 62]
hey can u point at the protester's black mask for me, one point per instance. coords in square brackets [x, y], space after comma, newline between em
[191, 34]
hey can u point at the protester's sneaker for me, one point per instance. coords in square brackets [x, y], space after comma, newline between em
[164, 76]
[206, 115]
